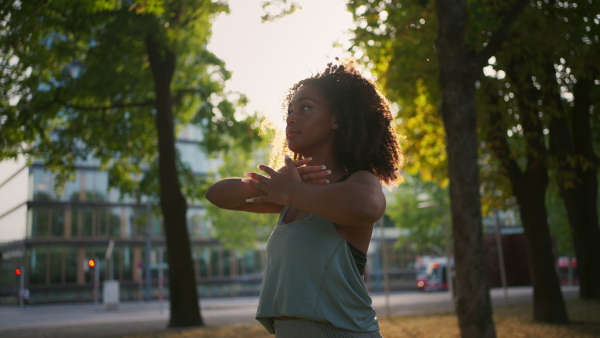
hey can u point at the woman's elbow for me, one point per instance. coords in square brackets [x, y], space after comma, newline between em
[214, 197]
[210, 194]
[369, 212]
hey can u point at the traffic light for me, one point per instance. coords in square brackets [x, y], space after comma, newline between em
[17, 272]
[91, 264]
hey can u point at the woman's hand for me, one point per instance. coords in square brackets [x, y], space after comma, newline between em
[311, 174]
[276, 187]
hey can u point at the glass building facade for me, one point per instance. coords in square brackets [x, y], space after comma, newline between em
[51, 236]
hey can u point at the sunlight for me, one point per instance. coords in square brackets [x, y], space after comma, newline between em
[266, 59]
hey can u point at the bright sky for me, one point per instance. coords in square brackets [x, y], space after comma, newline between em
[266, 59]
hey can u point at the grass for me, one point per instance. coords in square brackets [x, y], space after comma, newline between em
[511, 321]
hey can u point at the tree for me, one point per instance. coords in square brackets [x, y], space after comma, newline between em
[397, 39]
[570, 127]
[529, 187]
[117, 81]
[554, 84]
[419, 208]
[237, 229]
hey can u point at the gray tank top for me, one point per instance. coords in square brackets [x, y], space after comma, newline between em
[310, 274]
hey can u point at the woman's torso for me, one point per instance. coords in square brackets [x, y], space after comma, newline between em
[310, 274]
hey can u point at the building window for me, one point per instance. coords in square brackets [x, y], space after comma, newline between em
[47, 221]
[43, 185]
[193, 156]
[38, 264]
[71, 266]
[203, 261]
[216, 258]
[114, 223]
[141, 219]
[57, 265]
[197, 226]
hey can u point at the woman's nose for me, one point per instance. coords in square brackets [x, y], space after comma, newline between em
[290, 118]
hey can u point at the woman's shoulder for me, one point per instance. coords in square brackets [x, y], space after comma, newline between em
[363, 176]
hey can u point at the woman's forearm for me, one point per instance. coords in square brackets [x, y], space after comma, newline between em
[230, 193]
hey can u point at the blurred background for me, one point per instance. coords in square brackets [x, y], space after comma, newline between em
[117, 115]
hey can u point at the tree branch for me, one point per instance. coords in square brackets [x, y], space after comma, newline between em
[501, 34]
[178, 96]
[499, 144]
[114, 106]
[496, 139]
[533, 129]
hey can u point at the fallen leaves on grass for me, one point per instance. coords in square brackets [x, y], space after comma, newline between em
[513, 321]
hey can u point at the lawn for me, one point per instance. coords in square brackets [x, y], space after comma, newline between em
[511, 321]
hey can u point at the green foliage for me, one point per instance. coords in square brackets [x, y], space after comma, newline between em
[277, 9]
[81, 75]
[558, 222]
[236, 229]
[542, 72]
[240, 230]
[396, 41]
[421, 210]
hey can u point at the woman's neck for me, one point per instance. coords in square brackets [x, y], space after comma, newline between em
[331, 164]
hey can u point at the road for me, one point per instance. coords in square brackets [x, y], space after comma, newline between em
[91, 321]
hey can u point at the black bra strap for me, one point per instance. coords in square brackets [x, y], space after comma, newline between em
[344, 177]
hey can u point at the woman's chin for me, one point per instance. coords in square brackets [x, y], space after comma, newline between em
[295, 149]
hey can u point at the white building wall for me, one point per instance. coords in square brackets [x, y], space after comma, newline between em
[14, 182]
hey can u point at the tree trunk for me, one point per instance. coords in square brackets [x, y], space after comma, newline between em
[457, 78]
[577, 181]
[590, 235]
[529, 187]
[185, 309]
[548, 303]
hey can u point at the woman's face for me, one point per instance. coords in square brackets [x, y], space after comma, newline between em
[311, 124]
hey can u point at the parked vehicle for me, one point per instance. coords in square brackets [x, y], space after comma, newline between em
[431, 273]
[568, 276]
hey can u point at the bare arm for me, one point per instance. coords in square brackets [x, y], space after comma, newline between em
[233, 193]
[359, 200]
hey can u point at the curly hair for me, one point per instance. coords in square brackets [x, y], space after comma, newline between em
[366, 138]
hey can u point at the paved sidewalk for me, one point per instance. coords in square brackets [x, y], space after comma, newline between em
[90, 321]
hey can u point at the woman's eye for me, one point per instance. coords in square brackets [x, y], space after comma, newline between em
[303, 108]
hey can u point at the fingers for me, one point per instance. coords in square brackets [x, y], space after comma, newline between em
[316, 176]
[302, 162]
[312, 169]
[253, 183]
[270, 171]
[288, 160]
[256, 177]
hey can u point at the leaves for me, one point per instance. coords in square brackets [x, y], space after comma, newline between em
[84, 88]
[237, 229]
[421, 210]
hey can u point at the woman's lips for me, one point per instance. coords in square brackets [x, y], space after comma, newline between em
[291, 133]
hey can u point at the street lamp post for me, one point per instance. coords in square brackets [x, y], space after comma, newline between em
[501, 257]
[147, 275]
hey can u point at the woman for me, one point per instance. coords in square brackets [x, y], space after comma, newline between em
[315, 258]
